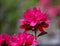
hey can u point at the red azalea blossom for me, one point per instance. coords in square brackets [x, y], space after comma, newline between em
[23, 39]
[34, 19]
[5, 40]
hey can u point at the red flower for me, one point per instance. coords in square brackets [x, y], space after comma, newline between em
[23, 39]
[34, 19]
[5, 40]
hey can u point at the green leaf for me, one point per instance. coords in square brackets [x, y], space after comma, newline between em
[43, 33]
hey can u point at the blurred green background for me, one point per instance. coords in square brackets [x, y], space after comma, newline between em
[8, 16]
[10, 11]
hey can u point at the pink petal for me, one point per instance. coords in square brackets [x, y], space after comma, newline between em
[35, 42]
[48, 21]
[21, 20]
[33, 24]
[13, 44]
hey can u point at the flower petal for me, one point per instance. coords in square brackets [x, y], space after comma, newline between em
[35, 42]
[33, 23]
[48, 21]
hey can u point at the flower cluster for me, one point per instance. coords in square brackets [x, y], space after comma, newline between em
[34, 20]
[22, 39]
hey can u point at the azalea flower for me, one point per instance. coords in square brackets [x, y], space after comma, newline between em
[23, 39]
[5, 40]
[34, 20]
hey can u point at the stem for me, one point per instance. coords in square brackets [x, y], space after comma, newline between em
[35, 35]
